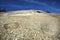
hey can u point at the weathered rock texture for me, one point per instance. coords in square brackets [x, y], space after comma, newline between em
[29, 25]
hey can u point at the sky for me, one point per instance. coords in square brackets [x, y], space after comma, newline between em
[52, 6]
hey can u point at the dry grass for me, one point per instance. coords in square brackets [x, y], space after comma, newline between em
[38, 26]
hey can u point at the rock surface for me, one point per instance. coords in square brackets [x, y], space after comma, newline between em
[29, 25]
